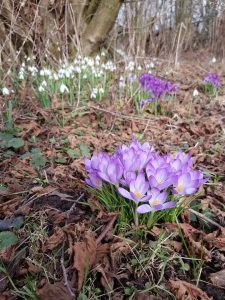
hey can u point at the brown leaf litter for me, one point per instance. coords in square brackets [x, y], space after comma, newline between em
[187, 291]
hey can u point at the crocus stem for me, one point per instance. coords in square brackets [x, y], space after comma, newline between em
[150, 220]
[136, 221]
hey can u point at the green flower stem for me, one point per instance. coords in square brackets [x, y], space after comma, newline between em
[136, 219]
[150, 220]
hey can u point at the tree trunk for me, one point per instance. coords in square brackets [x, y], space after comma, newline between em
[100, 24]
[57, 28]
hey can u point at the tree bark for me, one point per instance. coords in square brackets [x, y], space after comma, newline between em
[100, 24]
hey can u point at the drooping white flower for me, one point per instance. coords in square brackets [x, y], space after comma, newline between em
[63, 89]
[101, 91]
[195, 93]
[41, 89]
[213, 60]
[44, 83]
[5, 91]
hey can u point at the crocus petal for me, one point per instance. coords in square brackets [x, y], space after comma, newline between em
[162, 197]
[142, 209]
[125, 194]
[189, 191]
[140, 180]
[169, 204]
[184, 179]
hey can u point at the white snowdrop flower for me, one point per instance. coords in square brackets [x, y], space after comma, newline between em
[55, 76]
[21, 75]
[195, 93]
[213, 60]
[45, 72]
[97, 57]
[101, 91]
[152, 65]
[78, 70]
[41, 89]
[93, 95]
[44, 83]
[32, 69]
[97, 63]
[5, 91]
[63, 89]
[139, 68]
[103, 53]
[85, 76]
[28, 58]
[79, 57]
[58, 48]
[68, 73]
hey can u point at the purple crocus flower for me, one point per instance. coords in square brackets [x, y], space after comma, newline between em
[144, 102]
[138, 189]
[94, 180]
[128, 177]
[186, 184]
[160, 179]
[156, 202]
[110, 169]
[155, 85]
[213, 79]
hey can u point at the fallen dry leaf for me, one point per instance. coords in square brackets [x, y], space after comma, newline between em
[7, 254]
[195, 238]
[54, 291]
[216, 239]
[218, 278]
[84, 257]
[54, 240]
[187, 291]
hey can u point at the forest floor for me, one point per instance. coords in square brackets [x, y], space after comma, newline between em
[57, 240]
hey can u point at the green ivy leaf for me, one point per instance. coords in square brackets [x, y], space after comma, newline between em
[7, 238]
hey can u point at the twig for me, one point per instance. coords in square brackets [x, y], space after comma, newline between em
[122, 116]
[107, 228]
[198, 214]
[62, 261]
[66, 283]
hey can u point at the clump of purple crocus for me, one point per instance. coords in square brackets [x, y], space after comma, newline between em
[213, 79]
[142, 175]
[155, 87]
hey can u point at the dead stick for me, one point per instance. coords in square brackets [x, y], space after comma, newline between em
[198, 214]
[107, 228]
[62, 261]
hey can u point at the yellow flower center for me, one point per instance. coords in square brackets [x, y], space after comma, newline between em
[179, 188]
[97, 181]
[137, 194]
[155, 202]
[159, 181]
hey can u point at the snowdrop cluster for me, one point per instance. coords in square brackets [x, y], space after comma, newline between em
[142, 175]
[97, 92]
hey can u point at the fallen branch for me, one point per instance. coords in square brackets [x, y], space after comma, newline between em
[107, 228]
[203, 217]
